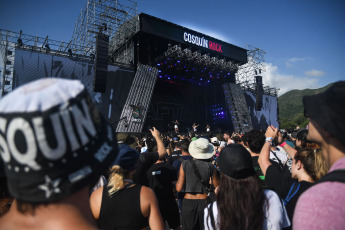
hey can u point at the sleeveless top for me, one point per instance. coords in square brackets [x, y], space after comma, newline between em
[192, 182]
[122, 210]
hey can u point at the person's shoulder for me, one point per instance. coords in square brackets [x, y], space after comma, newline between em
[96, 201]
[147, 193]
[311, 206]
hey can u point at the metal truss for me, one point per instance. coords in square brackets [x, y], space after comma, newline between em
[120, 47]
[10, 41]
[105, 16]
[247, 72]
[205, 60]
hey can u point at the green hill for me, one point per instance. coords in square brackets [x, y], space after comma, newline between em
[290, 104]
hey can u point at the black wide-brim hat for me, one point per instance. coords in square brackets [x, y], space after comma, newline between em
[327, 109]
[54, 140]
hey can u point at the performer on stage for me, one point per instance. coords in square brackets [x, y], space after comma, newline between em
[208, 128]
[176, 123]
[195, 126]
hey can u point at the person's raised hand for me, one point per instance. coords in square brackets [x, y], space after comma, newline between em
[271, 132]
[155, 132]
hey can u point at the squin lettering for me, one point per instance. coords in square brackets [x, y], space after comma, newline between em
[83, 124]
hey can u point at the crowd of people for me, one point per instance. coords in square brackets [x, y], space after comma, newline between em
[64, 167]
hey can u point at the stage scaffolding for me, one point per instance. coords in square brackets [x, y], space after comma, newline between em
[246, 73]
[105, 16]
[11, 41]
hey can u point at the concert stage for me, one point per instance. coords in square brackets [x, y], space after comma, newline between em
[158, 72]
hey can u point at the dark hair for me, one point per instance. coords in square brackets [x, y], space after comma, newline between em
[313, 162]
[232, 197]
[255, 140]
[150, 145]
[185, 145]
[237, 139]
[302, 136]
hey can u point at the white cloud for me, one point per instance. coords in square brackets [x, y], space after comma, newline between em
[314, 73]
[289, 62]
[273, 78]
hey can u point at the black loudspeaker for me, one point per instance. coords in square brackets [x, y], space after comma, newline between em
[259, 93]
[101, 66]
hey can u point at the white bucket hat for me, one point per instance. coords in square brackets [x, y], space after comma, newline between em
[201, 149]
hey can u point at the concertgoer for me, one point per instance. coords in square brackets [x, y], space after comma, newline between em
[227, 138]
[161, 177]
[177, 165]
[323, 205]
[195, 176]
[122, 204]
[241, 203]
[305, 165]
[147, 159]
[54, 145]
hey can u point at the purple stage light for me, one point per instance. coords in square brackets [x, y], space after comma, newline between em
[158, 64]
[178, 61]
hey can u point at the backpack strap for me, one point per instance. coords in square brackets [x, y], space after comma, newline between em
[197, 173]
[334, 176]
[279, 161]
[293, 190]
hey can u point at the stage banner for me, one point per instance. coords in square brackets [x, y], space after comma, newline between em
[171, 31]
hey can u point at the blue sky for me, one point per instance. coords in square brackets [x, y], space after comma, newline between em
[304, 40]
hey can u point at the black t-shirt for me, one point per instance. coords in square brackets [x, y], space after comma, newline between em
[160, 178]
[146, 160]
[281, 182]
[174, 156]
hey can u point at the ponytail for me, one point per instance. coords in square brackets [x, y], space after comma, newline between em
[116, 179]
[320, 164]
[313, 162]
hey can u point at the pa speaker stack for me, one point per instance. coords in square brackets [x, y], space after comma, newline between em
[101, 67]
[259, 93]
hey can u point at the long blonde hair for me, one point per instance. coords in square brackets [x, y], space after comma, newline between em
[115, 182]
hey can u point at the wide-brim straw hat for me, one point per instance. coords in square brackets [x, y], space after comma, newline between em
[201, 149]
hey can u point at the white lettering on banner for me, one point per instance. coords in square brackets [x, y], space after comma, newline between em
[5, 154]
[83, 122]
[49, 153]
[103, 152]
[195, 40]
[23, 126]
[66, 117]
[37, 140]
